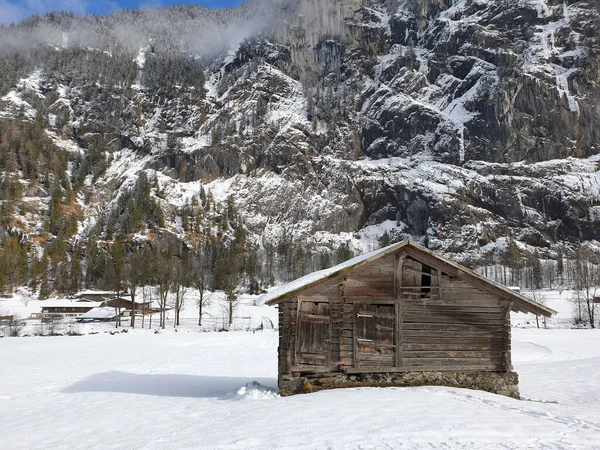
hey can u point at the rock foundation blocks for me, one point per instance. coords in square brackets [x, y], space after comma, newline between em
[502, 383]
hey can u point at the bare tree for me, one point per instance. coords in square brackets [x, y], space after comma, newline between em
[164, 279]
[230, 275]
[560, 270]
[179, 287]
[151, 296]
[49, 326]
[179, 302]
[579, 310]
[11, 326]
[15, 326]
[587, 282]
[134, 276]
[231, 265]
[148, 272]
[537, 296]
[201, 278]
[232, 302]
[116, 276]
[145, 298]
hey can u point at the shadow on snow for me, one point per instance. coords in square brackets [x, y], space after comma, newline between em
[168, 385]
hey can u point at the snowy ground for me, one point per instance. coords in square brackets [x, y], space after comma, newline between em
[188, 390]
[192, 389]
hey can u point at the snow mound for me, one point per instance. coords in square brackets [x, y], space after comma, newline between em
[255, 391]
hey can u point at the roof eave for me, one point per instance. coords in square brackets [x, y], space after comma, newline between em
[536, 308]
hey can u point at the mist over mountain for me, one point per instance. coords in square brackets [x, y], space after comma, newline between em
[285, 136]
[195, 29]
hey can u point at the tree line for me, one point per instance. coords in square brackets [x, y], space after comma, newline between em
[576, 269]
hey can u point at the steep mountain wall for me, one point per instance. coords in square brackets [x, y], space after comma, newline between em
[329, 122]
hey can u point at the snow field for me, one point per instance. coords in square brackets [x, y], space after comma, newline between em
[217, 391]
[191, 389]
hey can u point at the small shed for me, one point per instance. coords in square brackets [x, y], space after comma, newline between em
[398, 316]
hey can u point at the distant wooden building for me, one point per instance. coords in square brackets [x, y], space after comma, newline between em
[399, 316]
[126, 304]
[95, 296]
[63, 308]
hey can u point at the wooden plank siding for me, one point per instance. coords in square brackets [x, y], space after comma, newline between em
[287, 334]
[395, 314]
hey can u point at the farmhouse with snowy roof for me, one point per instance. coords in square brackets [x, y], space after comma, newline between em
[61, 308]
[398, 316]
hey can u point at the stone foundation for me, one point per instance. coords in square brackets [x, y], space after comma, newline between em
[502, 383]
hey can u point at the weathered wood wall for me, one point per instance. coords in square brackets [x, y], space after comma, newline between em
[394, 315]
[462, 331]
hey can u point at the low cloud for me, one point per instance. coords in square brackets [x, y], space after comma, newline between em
[201, 32]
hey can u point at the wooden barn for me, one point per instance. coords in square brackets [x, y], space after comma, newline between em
[399, 316]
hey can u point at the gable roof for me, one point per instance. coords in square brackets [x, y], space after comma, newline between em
[518, 302]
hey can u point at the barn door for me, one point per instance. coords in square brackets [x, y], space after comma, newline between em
[375, 335]
[313, 335]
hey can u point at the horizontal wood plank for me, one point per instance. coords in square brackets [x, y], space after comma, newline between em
[439, 326]
[447, 354]
[450, 334]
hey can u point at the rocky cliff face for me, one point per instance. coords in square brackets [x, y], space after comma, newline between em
[451, 119]
[333, 121]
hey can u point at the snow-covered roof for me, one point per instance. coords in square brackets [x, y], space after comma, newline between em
[112, 300]
[518, 301]
[315, 278]
[94, 292]
[20, 308]
[99, 314]
[65, 303]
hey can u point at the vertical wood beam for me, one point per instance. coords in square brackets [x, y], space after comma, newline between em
[398, 264]
[283, 356]
[354, 338]
[337, 311]
[297, 329]
[287, 342]
[507, 339]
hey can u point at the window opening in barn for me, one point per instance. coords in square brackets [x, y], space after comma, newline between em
[426, 279]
